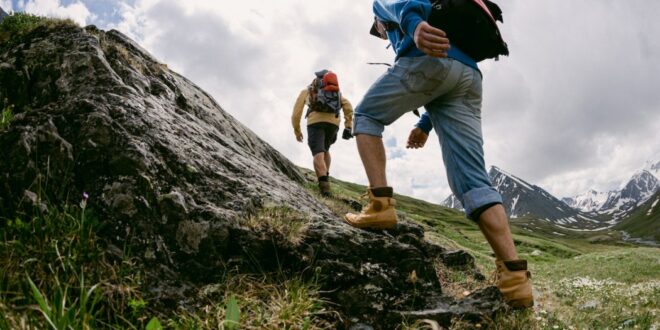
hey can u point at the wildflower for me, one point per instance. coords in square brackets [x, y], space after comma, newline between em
[83, 202]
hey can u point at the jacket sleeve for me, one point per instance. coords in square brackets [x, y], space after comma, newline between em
[407, 13]
[424, 123]
[298, 110]
[348, 112]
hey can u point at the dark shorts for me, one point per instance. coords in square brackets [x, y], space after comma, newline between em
[321, 136]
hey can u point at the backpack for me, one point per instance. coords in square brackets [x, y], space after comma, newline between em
[324, 95]
[470, 26]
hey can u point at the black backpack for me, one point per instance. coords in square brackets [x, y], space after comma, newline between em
[470, 27]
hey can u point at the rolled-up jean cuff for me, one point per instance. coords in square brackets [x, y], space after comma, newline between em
[365, 125]
[478, 197]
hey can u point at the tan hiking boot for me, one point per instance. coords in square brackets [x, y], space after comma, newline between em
[513, 281]
[379, 212]
[324, 187]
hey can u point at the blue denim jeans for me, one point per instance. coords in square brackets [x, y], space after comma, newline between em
[451, 93]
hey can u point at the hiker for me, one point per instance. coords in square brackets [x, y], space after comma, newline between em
[438, 70]
[324, 102]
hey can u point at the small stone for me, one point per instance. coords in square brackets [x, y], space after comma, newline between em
[591, 304]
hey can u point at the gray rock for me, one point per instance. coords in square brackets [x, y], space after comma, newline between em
[177, 179]
[3, 14]
[591, 304]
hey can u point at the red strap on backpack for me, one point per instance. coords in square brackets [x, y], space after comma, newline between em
[485, 8]
[330, 82]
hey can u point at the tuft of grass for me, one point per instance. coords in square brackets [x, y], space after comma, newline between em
[269, 301]
[56, 273]
[6, 116]
[457, 283]
[17, 25]
[283, 222]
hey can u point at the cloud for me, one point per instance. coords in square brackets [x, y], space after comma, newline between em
[6, 5]
[574, 107]
[77, 11]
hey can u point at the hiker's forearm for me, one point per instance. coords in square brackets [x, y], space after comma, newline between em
[407, 13]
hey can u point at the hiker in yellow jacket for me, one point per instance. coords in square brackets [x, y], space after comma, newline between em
[322, 122]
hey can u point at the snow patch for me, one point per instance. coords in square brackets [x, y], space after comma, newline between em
[652, 207]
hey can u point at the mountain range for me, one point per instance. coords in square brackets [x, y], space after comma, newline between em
[617, 204]
[591, 210]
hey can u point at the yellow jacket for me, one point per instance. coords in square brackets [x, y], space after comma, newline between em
[319, 117]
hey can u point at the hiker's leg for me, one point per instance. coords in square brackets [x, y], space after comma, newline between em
[456, 117]
[317, 141]
[319, 165]
[330, 138]
[457, 120]
[494, 225]
[372, 153]
[328, 160]
[408, 85]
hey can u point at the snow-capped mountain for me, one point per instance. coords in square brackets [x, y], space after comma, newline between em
[620, 203]
[591, 201]
[653, 168]
[522, 198]
[452, 202]
[637, 191]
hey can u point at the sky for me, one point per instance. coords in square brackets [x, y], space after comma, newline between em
[575, 107]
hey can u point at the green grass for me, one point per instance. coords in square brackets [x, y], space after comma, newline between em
[583, 280]
[617, 288]
[268, 301]
[57, 274]
[17, 25]
[6, 116]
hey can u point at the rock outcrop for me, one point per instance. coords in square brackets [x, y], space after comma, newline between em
[176, 177]
[3, 14]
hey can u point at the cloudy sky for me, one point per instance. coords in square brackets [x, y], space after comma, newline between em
[576, 106]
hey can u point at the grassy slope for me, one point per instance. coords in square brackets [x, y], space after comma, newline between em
[580, 282]
[645, 222]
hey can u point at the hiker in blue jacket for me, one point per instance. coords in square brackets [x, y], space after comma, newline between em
[431, 72]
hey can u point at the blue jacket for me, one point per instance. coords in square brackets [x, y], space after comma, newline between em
[408, 14]
[424, 123]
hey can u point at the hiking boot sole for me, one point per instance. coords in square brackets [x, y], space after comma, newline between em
[371, 225]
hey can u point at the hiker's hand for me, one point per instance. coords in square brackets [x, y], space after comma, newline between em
[431, 41]
[417, 138]
[347, 134]
[299, 137]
